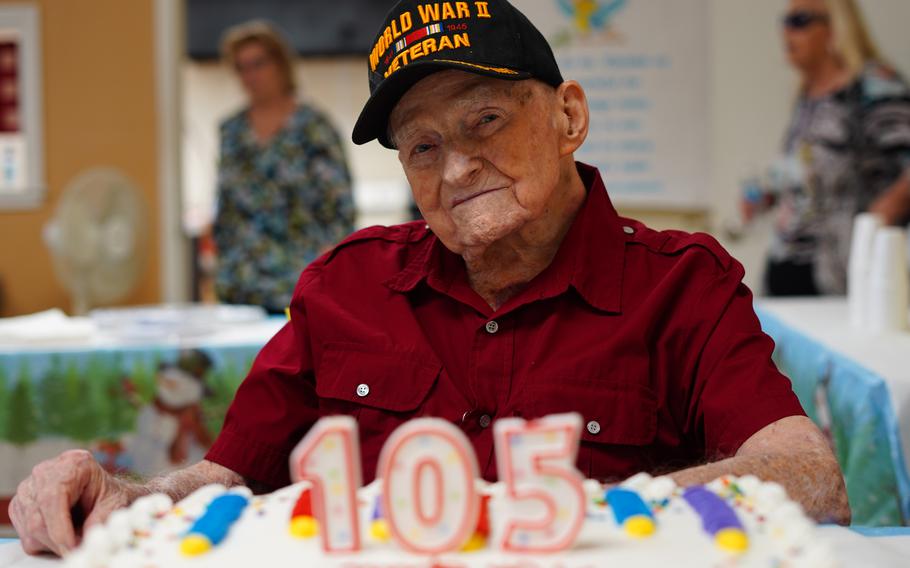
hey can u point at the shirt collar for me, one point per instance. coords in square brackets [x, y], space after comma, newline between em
[417, 267]
[590, 258]
[596, 244]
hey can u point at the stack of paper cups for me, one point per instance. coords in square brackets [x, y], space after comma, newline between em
[860, 267]
[889, 284]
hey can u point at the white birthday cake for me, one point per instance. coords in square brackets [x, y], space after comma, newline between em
[775, 532]
[420, 514]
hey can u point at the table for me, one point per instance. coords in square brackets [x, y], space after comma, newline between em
[140, 406]
[856, 386]
[852, 548]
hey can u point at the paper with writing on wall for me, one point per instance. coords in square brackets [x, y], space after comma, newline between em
[644, 67]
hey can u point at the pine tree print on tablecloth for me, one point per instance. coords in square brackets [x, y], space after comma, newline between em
[22, 418]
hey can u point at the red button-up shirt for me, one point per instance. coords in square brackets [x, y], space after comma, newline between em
[650, 336]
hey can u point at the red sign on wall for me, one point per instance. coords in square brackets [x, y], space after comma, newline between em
[9, 87]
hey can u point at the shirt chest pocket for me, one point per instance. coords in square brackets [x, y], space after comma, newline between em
[380, 388]
[619, 423]
[384, 380]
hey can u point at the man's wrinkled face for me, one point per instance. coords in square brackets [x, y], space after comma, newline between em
[481, 154]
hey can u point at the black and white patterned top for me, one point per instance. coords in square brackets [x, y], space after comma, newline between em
[844, 150]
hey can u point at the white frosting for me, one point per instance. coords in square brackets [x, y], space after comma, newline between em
[796, 531]
[261, 536]
[196, 503]
[770, 495]
[98, 542]
[749, 484]
[83, 559]
[593, 488]
[658, 489]
[156, 504]
[245, 491]
[120, 527]
[637, 482]
[718, 486]
[786, 511]
[817, 555]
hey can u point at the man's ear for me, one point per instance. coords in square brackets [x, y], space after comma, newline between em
[574, 116]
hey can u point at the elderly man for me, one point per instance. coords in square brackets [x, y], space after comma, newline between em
[524, 294]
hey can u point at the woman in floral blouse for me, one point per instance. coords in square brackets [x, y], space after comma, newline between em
[284, 190]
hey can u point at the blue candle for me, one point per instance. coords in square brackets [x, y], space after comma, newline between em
[631, 511]
[211, 528]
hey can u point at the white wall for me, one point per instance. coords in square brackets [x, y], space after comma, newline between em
[751, 93]
[752, 90]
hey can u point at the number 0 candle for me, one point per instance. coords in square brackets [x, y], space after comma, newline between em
[429, 500]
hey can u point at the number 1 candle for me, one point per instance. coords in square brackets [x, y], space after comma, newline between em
[329, 458]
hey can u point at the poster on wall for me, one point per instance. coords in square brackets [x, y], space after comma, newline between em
[644, 67]
[21, 176]
[12, 144]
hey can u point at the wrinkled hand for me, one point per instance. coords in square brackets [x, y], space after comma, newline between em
[41, 508]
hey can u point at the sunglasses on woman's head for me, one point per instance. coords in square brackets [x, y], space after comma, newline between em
[801, 20]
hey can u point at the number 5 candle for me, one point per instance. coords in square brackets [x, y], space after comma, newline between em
[544, 497]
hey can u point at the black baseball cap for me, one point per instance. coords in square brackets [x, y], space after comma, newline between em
[421, 37]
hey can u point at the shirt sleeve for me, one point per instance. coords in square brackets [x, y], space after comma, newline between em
[273, 408]
[886, 126]
[738, 389]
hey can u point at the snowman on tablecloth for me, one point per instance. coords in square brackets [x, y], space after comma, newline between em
[170, 431]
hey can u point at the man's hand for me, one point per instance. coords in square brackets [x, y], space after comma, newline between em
[794, 453]
[40, 511]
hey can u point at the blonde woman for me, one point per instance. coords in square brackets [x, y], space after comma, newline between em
[847, 147]
[284, 190]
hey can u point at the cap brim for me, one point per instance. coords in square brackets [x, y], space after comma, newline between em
[374, 118]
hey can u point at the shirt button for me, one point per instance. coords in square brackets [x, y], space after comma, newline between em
[594, 427]
[628, 230]
[363, 390]
[485, 421]
[492, 327]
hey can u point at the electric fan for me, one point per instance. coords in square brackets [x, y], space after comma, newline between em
[97, 238]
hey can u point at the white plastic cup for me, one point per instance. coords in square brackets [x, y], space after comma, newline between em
[889, 284]
[865, 225]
